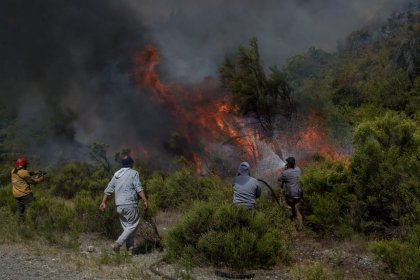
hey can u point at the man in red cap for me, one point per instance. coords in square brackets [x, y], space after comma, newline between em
[22, 179]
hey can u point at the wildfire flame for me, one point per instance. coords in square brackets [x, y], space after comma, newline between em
[204, 115]
[312, 139]
[202, 112]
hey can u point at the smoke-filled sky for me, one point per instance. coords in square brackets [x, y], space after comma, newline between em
[73, 59]
[195, 35]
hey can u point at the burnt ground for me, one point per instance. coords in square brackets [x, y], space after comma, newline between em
[95, 260]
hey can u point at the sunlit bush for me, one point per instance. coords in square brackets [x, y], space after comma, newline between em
[229, 236]
[327, 198]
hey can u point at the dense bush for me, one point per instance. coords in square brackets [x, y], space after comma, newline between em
[327, 198]
[229, 236]
[6, 198]
[76, 176]
[378, 191]
[402, 256]
[384, 172]
[89, 219]
[181, 187]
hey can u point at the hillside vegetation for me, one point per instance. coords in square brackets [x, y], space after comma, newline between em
[368, 94]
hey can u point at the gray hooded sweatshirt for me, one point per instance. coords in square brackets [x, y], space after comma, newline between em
[126, 184]
[245, 187]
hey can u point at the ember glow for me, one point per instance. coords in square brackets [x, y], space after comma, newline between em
[205, 116]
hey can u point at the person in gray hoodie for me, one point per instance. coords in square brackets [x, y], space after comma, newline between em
[127, 187]
[245, 187]
[293, 191]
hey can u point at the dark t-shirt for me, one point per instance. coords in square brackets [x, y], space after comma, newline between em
[291, 178]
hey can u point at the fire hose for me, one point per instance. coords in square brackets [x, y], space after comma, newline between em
[271, 190]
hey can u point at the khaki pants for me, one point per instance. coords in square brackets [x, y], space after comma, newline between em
[295, 204]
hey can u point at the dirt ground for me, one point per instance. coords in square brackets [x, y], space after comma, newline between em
[95, 260]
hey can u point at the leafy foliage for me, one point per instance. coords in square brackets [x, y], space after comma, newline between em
[229, 236]
[328, 198]
[74, 177]
[385, 171]
[181, 188]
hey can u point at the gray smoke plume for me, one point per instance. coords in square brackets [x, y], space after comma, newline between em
[194, 36]
[65, 70]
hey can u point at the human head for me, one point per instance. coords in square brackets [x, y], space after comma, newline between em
[243, 168]
[127, 161]
[21, 162]
[291, 162]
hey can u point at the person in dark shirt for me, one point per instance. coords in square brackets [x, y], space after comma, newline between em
[293, 191]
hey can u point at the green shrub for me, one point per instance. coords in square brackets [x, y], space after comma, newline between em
[315, 271]
[229, 236]
[180, 188]
[402, 256]
[327, 198]
[6, 198]
[384, 172]
[88, 218]
[47, 214]
[76, 176]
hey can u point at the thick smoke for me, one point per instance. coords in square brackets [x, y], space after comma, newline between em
[194, 36]
[66, 65]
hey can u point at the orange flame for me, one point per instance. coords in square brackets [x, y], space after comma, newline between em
[313, 139]
[204, 115]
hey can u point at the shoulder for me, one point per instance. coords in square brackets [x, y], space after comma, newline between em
[133, 172]
[254, 181]
[23, 173]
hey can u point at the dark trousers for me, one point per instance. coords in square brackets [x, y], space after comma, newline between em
[295, 204]
[22, 203]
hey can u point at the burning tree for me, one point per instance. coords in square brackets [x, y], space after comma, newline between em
[258, 95]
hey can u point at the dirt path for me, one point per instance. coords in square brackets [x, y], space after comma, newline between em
[18, 262]
[95, 260]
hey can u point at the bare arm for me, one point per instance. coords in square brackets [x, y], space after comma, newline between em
[103, 203]
[143, 197]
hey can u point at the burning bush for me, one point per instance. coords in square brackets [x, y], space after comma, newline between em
[229, 236]
[378, 191]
